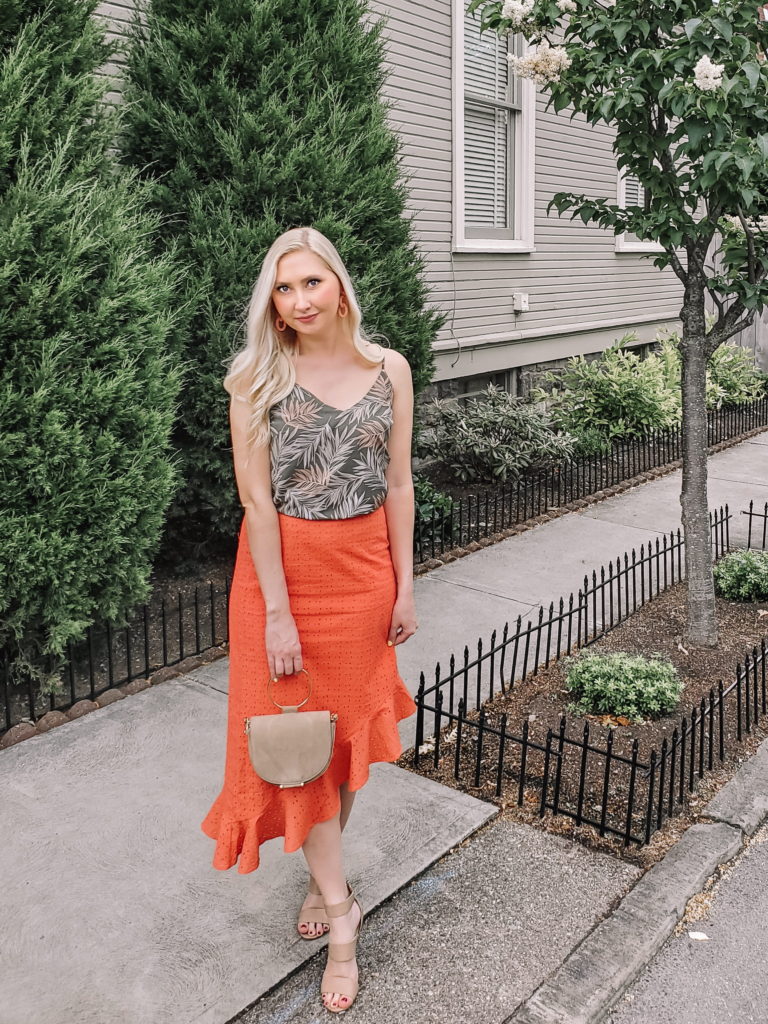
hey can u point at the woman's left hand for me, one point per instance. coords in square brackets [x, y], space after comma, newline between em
[404, 622]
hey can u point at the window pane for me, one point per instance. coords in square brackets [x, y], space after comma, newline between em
[486, 131]
[634, 193]
[486, 70]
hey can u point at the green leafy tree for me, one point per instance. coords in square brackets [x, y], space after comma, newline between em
[249, 117]
[87, 387]
[683, 85]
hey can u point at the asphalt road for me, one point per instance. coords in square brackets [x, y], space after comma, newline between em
[720, 979]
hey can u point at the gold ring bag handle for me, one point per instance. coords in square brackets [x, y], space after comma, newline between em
[289, 707]
[291, 748]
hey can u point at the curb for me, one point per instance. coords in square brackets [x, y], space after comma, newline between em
[597, 972]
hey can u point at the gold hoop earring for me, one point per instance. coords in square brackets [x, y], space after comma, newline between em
[345, 310]
[277, 324]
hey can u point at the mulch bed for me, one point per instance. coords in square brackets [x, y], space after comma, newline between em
[542, 699]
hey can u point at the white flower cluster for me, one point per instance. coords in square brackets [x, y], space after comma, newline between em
[567, 6]
[544, 64]
[708, 76]
[516, 11]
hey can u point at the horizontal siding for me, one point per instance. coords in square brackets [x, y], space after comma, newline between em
[116, 15]
[418, 57]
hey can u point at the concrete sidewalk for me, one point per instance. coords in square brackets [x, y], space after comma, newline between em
[111, 899]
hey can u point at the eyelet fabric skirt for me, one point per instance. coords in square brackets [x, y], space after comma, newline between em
[342, 588]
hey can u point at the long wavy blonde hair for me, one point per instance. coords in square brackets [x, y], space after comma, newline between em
[263, 371]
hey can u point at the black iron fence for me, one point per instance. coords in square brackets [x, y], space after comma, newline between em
[494, 509]
[600, 781]
[761, 531]
[159, 635]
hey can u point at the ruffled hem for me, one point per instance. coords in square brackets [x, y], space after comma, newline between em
[284, 814]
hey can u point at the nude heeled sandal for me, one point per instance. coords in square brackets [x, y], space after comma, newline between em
[339, 952]
[313, 915]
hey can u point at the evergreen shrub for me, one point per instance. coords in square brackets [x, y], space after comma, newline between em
[249, 117]
[491, 438]
[742, 576]
[623, 684]
[87, 383]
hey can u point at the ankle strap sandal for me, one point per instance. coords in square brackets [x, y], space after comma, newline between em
[313, 915]
[339, 952]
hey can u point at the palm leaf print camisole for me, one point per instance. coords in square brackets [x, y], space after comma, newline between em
[329, 463]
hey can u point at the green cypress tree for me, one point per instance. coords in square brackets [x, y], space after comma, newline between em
[87, 385]
[251, 117]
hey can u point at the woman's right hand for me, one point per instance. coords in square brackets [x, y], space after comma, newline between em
[283, 646]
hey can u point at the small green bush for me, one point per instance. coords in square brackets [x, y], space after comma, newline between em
[742, 576]
[430, 500]
[590, 442]
[617, 395]
[492, 437]
[731, 374]
[624, 684]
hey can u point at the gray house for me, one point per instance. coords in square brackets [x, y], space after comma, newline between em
[524, 289]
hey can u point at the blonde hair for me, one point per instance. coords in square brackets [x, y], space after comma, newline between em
[262, 371]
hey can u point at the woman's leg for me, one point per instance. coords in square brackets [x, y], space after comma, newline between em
[312, 900]
[347, 799]
[322, 850]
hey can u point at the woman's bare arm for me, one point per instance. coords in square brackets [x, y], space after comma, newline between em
[399, 503]
[255, 489]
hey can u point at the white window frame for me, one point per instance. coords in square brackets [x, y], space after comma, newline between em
[524, 156]
[623, 243]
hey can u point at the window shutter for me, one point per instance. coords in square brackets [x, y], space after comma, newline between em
[485, 165]
[487, 134]
[486, 70]
[634, 193]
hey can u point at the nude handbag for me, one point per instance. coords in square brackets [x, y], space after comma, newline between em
[291, 749]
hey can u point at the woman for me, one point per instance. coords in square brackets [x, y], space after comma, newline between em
[321, 423]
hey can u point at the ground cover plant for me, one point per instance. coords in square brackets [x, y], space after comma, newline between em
[636, 687]
[743, 576]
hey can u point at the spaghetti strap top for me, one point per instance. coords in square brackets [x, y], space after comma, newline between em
[329, 463]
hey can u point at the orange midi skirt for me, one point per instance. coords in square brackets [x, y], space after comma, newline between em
[342, 587]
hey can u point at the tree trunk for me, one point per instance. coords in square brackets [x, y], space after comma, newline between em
[701, 625]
